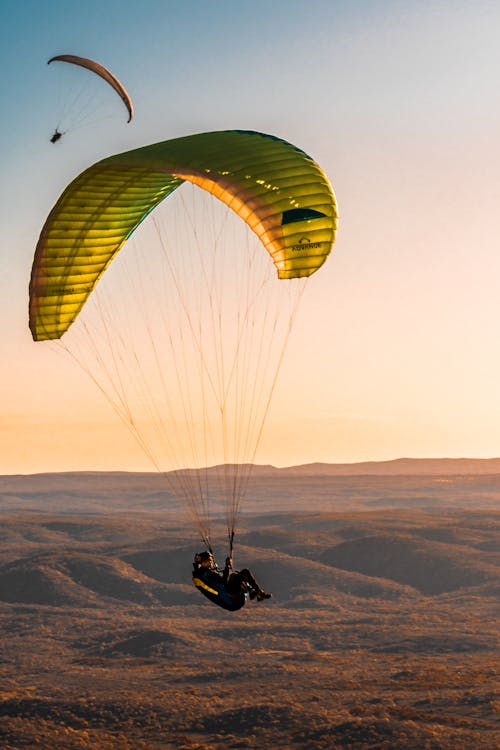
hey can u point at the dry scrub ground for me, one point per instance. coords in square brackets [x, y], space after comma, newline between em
[382, 633]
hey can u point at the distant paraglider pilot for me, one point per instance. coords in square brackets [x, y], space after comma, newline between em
[227, 588]
[55, 136]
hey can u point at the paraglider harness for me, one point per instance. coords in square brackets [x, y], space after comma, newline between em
[212, 582]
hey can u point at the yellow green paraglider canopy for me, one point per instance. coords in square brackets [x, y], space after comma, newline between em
[277, 189]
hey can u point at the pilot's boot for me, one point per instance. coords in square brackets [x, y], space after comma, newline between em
[261, 595]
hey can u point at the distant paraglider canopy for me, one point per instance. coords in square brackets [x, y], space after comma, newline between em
[80, 103]
[187, 342]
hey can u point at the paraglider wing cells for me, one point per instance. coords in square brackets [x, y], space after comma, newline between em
[277, 189]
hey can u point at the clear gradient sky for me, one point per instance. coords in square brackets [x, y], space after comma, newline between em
[397, 100]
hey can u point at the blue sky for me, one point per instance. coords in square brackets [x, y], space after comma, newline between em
[398, 102]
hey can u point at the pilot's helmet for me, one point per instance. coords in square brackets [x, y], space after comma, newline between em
[202, 557]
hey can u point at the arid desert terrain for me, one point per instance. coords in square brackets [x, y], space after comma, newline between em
[383, 630]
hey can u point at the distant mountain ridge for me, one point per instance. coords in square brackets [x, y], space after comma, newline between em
[392, 467]
[406, 482]
[403, 466]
